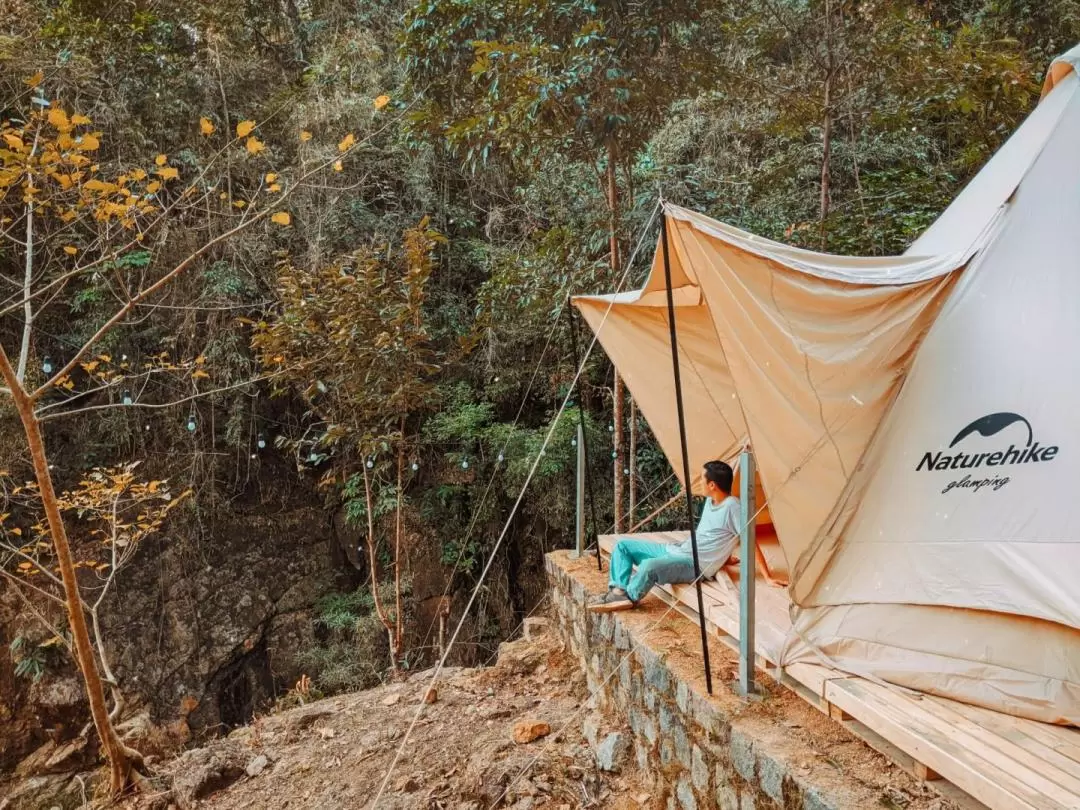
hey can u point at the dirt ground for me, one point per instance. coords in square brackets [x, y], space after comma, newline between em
[462, 754]
[335, 753]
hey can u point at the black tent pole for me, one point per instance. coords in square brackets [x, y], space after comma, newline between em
[685, 455]
[584, 433]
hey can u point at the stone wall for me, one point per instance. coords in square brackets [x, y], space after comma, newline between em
[643, 669]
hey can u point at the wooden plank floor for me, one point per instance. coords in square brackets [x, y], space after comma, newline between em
[975, 756]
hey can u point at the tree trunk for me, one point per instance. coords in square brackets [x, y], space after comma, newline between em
[632, 467]
[121, 759]
[826, 127]
[617, 395]
[380, 612]
[398, 621]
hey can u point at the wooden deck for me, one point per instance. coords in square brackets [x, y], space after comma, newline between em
[976, 757]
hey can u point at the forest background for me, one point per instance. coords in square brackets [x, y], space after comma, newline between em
[379, 210]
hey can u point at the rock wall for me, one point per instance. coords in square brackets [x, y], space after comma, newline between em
[700, 751]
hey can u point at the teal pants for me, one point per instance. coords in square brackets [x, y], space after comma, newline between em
[655, 564]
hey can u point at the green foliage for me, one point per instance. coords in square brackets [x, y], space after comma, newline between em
[352, 643]
[32, 661]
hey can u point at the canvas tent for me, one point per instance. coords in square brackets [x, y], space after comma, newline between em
[914, 420]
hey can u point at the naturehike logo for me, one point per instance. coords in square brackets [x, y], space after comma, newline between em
[975, 457]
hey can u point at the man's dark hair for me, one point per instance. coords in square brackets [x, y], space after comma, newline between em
[720, 474]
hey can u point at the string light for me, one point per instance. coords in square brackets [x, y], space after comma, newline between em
[313, 457]
[614, 454]
[127, 397]
[610, 428]
[625, 470]
[501, 457]
[573, 442]
[370, 464]
[261, 442]
[46, 365]
[415, 466]
[465, 464]
[191, 424]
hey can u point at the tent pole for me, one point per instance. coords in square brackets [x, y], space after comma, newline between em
[579, 499]
[685, 454]
[747, 573]
[584, 437]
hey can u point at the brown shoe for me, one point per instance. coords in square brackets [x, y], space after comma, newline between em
[611, 601]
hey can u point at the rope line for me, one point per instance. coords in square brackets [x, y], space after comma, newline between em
[513, 512]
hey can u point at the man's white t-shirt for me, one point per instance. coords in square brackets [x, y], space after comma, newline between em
[717, 535]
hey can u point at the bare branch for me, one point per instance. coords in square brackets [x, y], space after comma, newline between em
[44, 417]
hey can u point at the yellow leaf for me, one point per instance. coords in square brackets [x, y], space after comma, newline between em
[105, 358]
[17, 531]
[199, 374]
[152, 187]
[223, 196]
[36, 79]
[70, 250]
[89, 143]
[274, 187]
[337, 166]
[138, 175]
[305, 136]
[161, 160]
[80, 120]
[200, 360]
[281, 218]
[206, 126]
[168, 173]
[13, 141]
[270, 177]
[254, 145]
[244, 128]
[58, 118]
[346, 143]
[239, 203]
[381, 102]
[25, 566]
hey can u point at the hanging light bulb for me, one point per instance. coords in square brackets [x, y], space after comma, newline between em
[46, 365]
[260, 442]
[127, 397]
[614, 454]
[191, 424]
[415, 466]
[573, 442]
[625, 470]
[610, 428]
[543, 453]
[370, 464]
[465, 464]
[313, 456]
[501, 457]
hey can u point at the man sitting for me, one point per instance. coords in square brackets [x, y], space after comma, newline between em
[670, 563]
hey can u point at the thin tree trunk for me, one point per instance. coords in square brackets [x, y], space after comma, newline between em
[633, 462]
[121, 759]
[619, 462]
[826, 128]
[398, 621]
[380, 612]
[28, 277]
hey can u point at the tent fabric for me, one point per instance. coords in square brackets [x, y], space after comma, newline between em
[911, 432]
